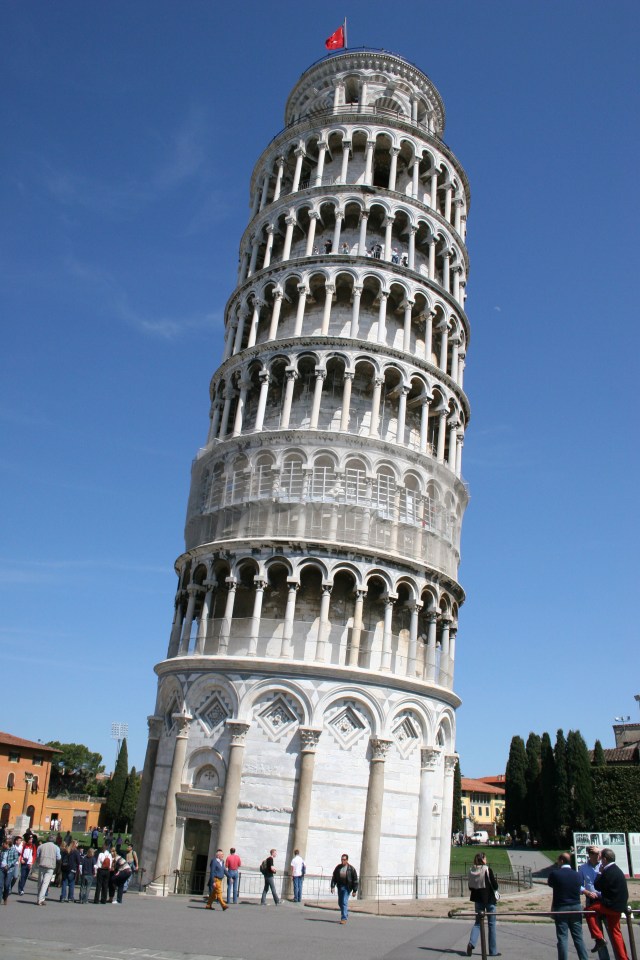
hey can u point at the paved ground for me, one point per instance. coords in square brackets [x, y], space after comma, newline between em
[148, 928]
[536, 862]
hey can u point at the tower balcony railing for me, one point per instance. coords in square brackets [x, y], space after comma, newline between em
[308, 644]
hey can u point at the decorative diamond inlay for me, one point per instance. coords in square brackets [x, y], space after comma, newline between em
[213, 713]
[347, 726]
[406, 735]
[277, 718]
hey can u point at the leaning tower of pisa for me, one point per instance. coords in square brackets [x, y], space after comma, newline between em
[306, 698]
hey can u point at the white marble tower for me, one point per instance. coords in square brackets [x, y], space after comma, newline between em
[306, 699]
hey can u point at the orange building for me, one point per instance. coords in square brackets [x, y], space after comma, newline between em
[482, 802]
[25, 771]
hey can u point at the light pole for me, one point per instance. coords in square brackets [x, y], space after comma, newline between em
[119, 732]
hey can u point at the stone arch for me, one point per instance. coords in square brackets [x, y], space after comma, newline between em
[368, 704]
[205, 769]
[272, 687]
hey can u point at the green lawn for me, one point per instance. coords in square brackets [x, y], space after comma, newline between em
[462, 859]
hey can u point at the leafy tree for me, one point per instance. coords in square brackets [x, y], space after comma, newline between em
[547, 790]
[616, 792]
[598, 755]
[532, 778]
[515, 786]
[456, 819]
[130, 801]
[117, 787]
[580, 782]
[74, 769]
[562, 800]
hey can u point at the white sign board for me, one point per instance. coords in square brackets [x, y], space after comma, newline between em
[616, 841]
[634, 849]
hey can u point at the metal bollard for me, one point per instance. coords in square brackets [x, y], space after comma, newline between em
[632, 941]
[483, 935]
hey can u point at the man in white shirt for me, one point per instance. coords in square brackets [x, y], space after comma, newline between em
[298, 870]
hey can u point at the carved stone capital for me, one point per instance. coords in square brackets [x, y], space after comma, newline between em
[238, 730]
[182, 722]
[155, 727]
[309, 737]
[379, 749]
[450, 761]
[429, 758]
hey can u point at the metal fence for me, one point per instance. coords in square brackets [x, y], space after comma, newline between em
[318, 886]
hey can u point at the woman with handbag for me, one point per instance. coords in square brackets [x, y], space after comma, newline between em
[484, 894]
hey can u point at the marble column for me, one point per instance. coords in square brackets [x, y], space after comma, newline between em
[346, 401]
[309, 737]
[148, 771]
[430, 665]
[164, 856]
[444, 866]
[286, 651]
[356, 630]
[429, 762]
[370, 854]
[209, 586]
[229, 808]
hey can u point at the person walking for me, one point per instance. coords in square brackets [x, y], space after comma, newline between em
[9, 857]
[47, 857]
[298, 870]
[120, 875]
[566, 885]
[232, 865]
[268, 871]
[345, 878]
[215, 880]
[483, 886]
[610, 899]
[27, 860]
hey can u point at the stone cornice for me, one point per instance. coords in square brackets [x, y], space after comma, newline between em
[298, 668]
[325, 550]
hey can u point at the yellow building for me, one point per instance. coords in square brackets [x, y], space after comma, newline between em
[25, 770]
[483, 803]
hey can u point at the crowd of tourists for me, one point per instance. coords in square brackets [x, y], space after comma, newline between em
[101, 873]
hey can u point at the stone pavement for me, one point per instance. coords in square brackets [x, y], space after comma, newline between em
[179, 928]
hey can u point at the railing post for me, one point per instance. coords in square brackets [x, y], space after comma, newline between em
[632, 940]
[483, 935]
[416, 879]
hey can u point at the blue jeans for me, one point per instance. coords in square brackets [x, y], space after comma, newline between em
[25, 870]
[85, 887]
[297, 889]
[572, 925]
[232, 886]
[490, 909]
[68, 887]
[269, 884]
[343, 902]
[6, 876]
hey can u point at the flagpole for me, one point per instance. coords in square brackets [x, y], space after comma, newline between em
[345, 33]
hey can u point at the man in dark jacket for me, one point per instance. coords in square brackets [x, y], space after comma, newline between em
[610, 899]
[345, 879]
[566, 886]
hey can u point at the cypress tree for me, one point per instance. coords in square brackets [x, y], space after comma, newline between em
[532, 777]
[117, 787]
[598, 755]
[129, 801]
[562, 788]
[580, 782]
[515, 787]
[456, 819]
[547, 790]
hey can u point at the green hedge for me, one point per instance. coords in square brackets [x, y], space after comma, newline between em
[616, 791]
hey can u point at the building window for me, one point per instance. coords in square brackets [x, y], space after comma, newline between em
[37, 760]
[14, 756]
[34, 785]
[11, 779]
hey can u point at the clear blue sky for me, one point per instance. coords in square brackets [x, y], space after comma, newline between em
[130, 130]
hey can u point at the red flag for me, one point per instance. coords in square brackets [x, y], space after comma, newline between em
[336, 40]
